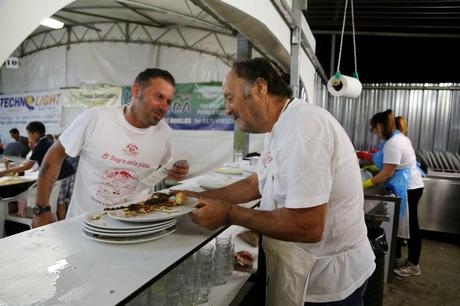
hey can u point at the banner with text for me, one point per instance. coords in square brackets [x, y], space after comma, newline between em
[16, 111]
[92, 97]
[196, 106]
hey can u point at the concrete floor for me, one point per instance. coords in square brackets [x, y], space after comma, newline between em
[439, 284]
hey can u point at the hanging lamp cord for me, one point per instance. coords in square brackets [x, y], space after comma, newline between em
[355, 74]
[341, 39]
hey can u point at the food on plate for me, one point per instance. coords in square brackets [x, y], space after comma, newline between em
[157, 202]
[157, 198]
[96, 216]
[243, 261]
[180, 198]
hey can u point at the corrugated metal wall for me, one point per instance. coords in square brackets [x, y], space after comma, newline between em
[432, 112]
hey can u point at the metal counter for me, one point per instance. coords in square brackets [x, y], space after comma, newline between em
[439, 207]
[382, 208]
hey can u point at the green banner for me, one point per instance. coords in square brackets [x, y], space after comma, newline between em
[196, 106]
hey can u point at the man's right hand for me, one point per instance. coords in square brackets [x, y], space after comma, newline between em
[43, 219]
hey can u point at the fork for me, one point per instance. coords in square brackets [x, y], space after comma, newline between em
[158, 175]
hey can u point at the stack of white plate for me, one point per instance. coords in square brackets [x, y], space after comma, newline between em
[118, 228]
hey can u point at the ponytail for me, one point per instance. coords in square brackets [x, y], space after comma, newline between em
[401, 124]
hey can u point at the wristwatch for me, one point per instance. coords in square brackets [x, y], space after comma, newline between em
[40, 209]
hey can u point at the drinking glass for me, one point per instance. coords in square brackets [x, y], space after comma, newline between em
[204, 258]
[189, 281]
[221, 259]
[173, 288]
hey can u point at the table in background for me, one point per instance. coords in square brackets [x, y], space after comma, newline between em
[14, 185]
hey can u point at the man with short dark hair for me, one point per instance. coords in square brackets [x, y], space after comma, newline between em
[36, 132]
[19, 146]
[311, 210]
[118, 148]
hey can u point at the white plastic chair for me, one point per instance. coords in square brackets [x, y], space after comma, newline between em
[30, 196]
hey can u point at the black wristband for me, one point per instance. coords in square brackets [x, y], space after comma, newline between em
[38, 209]
[228, 217]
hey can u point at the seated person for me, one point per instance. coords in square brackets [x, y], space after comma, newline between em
[36, 131]
[18, 147]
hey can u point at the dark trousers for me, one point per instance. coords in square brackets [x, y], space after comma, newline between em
[415, 242]
[354, 299]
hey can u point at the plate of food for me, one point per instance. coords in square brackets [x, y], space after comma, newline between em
[160, 206]
[129, 240]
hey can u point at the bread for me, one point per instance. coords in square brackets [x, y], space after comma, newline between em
[250, 238]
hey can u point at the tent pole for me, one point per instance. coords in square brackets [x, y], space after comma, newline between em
[241, 139]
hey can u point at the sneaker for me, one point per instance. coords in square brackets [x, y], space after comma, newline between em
[399, 262]
[408, 269]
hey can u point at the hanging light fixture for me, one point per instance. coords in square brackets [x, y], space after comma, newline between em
[52, 23]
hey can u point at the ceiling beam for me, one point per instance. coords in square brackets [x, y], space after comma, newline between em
[313, 7]
[199, 3]
[324, 25]
[142, 14]
[38, 41]
[390, 34]
[74, 22]
[74, 11]
[172, 13]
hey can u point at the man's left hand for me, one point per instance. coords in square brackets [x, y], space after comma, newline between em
[179, 170]
[43, 219]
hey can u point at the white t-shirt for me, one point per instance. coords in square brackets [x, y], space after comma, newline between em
[398, 151]
[315, 163]
[114, 157]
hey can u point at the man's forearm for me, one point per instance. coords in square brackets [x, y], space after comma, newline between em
[283, 224]
[240, 192]
[47, 177]
[49, 172]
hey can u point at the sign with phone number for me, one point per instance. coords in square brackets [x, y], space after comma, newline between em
[196, 106]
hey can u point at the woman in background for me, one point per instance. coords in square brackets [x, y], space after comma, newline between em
[401, 125]
[397, 164]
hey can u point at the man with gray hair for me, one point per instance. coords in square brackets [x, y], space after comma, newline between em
[311, 212]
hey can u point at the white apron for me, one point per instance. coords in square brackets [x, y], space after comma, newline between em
[288, 265]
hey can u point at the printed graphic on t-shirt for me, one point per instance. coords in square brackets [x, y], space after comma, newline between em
[266, 158]
[117, 185]
[131, 149]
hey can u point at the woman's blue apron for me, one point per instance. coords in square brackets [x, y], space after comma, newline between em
[398, 183]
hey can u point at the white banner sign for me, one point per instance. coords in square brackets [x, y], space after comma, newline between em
[92, 97]
[16, 111]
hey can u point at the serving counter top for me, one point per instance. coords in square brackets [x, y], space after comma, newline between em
[56, 264]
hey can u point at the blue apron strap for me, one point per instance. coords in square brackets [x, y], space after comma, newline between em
[398, 183]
